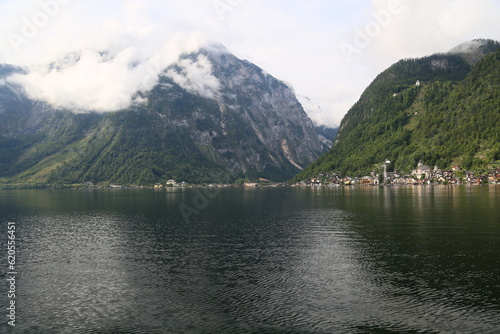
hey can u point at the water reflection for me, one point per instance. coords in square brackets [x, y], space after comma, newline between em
[434, 255]
[359, 260]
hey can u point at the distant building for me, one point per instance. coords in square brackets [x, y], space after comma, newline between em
[494, 177]
[422, 170]
[315, 182]
[367, 180]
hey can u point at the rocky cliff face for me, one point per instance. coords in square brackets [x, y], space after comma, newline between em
[211, 118]
[269, 110]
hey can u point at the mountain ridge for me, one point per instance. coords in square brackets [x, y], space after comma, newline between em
[416, 110]
[210, 118]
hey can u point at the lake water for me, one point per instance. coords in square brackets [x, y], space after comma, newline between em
[292, 260]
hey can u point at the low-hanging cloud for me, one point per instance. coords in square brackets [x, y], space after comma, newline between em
[196, 77]
[89, 80]
[306, 52]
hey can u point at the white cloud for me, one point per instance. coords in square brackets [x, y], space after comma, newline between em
[334, 100]
[196, 77]
[467, 47]
[96, 81]
[92, 83]
[425, 27]
[293, 40]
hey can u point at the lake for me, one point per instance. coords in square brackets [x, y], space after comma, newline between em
[416, 259]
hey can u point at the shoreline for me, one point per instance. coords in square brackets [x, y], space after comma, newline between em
[225, 186]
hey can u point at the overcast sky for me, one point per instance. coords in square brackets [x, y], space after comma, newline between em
[328, 50]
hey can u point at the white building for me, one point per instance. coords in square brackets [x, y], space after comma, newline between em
[422, 170]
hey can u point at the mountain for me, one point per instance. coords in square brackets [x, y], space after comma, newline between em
[211, 118]
[443, 109]
[473, 51]
[326, 134]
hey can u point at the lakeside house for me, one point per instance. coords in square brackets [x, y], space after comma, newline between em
[422, 175]
[494, 176]
[369, 180]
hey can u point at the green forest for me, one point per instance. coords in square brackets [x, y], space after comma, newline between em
[438, 109]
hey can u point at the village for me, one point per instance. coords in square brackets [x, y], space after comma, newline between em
[243, 183]
[422, 175]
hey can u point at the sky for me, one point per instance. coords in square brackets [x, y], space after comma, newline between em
[327, 50]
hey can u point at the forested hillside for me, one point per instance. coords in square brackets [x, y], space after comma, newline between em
[443, 110]
[211, 118]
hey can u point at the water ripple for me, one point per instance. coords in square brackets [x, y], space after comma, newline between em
[313, 263]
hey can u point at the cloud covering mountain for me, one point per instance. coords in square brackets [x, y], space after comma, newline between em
[196, 77]
[297, 41]
[90, 80]
[210, 117]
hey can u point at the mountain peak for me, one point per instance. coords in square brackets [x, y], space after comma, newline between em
[474, 50]
[476, 45]
[214, 48]
[207, 117]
